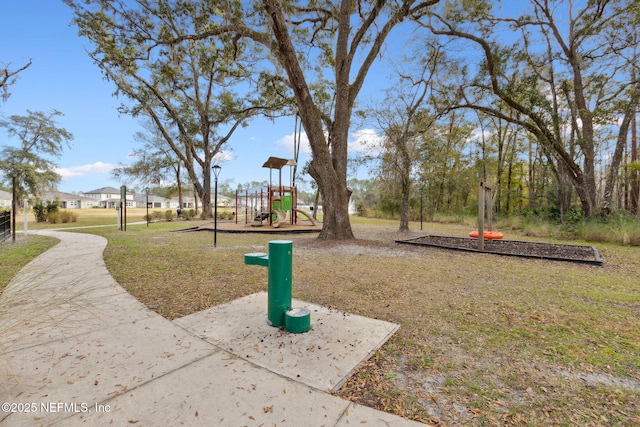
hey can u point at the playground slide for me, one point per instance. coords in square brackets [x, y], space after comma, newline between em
[307, 214]
[282, 217]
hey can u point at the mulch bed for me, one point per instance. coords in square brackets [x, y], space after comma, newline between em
[573, 253]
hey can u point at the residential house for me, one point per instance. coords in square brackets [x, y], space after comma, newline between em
[5, 200]
[188, 202]
[70, 200]
[157, 202]
[223, 201]
[109, 197]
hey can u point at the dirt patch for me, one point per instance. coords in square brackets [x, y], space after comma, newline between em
[573, 253]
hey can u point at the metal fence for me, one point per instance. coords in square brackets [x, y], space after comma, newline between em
[5, 225]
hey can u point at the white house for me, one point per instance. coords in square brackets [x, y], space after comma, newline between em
[157, 202]
[70, 200]
[5, 199]
[188, 202]
[109, 197]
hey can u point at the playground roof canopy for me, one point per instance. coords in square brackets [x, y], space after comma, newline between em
[277, 163]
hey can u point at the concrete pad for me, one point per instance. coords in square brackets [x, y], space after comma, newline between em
[219, 390]
[94, 367]
[357, 415]
[323, 358]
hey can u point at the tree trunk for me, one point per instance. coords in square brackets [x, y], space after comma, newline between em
[204, 191]
[405, 173]
[404, 205]
[195, 199]
[329, 164]
[621, 142]
[635, 185]
[316, 199]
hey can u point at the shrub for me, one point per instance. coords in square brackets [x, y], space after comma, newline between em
[169, 215]
[156, 216]
[625, 230]
[361, 208]
[42, 210]
[595, 231]
[63, 217]
[618, 228]
[223, 214]
[52, 207]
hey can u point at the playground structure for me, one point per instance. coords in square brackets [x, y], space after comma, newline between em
[277, 205]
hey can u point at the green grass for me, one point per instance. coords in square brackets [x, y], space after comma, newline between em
[86, 218]
[15, 255]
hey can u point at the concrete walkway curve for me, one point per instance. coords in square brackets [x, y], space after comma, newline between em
[76, 348]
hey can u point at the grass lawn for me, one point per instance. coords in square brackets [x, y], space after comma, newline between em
[15, 255]
[484, 340]
[87, 218]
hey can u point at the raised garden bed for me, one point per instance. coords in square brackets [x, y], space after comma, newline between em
[557, 252]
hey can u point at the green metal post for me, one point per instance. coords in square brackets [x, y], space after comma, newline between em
[280, 277]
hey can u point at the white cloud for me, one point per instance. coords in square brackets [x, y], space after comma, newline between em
[223, 156]
[88, 169]
[363, 140]
[285, 144]
[366, 141]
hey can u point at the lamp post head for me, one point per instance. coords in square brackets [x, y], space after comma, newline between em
[216, 170]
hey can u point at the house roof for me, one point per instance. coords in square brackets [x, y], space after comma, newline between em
[51, 195]
[5, 196]
[104, 190]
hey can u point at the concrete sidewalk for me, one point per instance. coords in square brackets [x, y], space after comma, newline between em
[76, 348]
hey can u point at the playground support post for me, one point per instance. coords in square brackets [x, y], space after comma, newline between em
[484, 204]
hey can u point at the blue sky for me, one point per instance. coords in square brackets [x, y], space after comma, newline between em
[62, 77]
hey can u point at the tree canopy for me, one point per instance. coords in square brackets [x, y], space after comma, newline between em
[41, 139]
[540, 95]
[8, 77]
[196, 93]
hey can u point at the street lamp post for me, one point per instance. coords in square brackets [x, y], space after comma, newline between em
[146, 190]
[14, 207]
[216, 172]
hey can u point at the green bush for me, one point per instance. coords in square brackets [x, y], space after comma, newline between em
[169, 215]
[361, 208]
[63, 217]
[42, 210]
[619, 228]
[157, 216]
